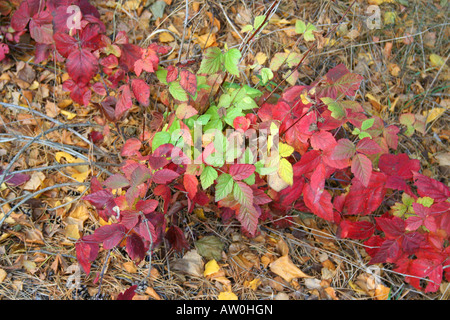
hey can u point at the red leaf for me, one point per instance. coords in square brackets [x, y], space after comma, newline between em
[141, 91]
[4, 49]
[427, 187]
[116, 181]
[147, 206]
[363, 200]
[358, 230]
[99, 88]
[127, 294]
[344, 149]
[87, 251]
[165, 176]
[176, 238]
[367, 146]
[110, 235]
[308, 162]
[399, 165]
[260, 197]
[41, 29]
[393, 227]
[15, 179]
[337, 82]
[131, 147]
[190, 183]
[81, 66]
[124, 102]
[21, 16]
[172, 73]
[389, 251]
[188, 82]
[157, 162]
[321, 207]
[78, 93]
[163, 191]
[135, 247]
[391, 135]
[148, 61]
[241, 171]
[322, 140]
[248, 217]
[362, 168]
[185, 111]
[147, 231]
[242, 123]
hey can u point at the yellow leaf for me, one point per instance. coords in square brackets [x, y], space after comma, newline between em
[285, 150]
[68, 157]
[286, 269]
[436, 61]
[389, 17]
[80, 177]
[254, 284]
[130, 267]
[286, 171]
[69, 115]
[227, 295]
[2, 275]
[434, 114]
[72, 231]
[30, 266]
[211, 267]
[200, 213]
[166, 37]
[261, 57]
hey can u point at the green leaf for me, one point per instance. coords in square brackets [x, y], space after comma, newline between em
[212, 62]
[209, 174]
[161, 74]
[367, 124]
[300, 27]
[243, 193]
[224, 186]
[266, 75]
[309, 35]
[246, 103]
[336, 109]
[259, 21]
[160, 138]
[231, 60]
[177, 91]
[210, 247]
[232, 113]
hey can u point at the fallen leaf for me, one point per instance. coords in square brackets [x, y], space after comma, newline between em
[130, 267]
[211, 267]
[433, 114]
[210, 247]
[443, 158]
[286, 269]
[35, 181]
[436, 61]
[227, 295]
[191, 264]
[2, 275]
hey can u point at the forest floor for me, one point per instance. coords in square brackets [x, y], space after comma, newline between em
[404, 62]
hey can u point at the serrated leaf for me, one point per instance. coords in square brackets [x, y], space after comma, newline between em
[248, 217]
[185, 111]
[209, 174]
[258, 21]
[231, 61]
[177, 91]
[266, 75]
[241, 171]
[345, 149]
[300, 27]
[243, 193]
[188, 82]
[224, 186]
[212, 62]
[337, 111]
[116, 181]
[362, 168]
